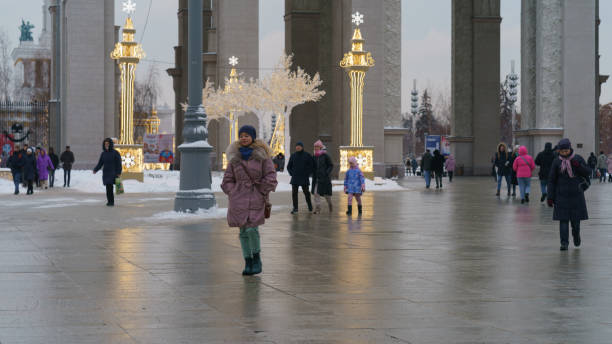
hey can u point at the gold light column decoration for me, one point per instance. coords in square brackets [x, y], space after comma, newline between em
[128, 54]
[356, 63]
[277, 144]
[233, 119]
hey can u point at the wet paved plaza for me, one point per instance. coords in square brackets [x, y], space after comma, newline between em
[451, 266]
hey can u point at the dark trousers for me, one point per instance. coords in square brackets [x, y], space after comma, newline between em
[564, 231]
[439, 176]
[602, 174]
[450, 176]
[110, 196]
[294, 195]
[67, 177]
[30, 186]
[51, 178]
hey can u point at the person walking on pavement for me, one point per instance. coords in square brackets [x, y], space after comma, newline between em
[55, 161]
[321, 178]
[544, 159]
[24, 152]
[407, 163]
[44, 165]
[15, 163]
[110, 163]
[524, 166]
[300, 168]
[610, 168]
[569, 179]
[592, 163]
[354, 185]
[36, 175]
[414, 165]
[503, 163]
[602, 166]
[438, 168]
[249, 178]
[67, 159]
[426, 167]
[29, 170]
[449, 165]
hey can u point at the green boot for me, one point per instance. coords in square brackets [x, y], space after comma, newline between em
[257, 265]
[248, 267]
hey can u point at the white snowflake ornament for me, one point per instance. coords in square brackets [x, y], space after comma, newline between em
[128, 160]
[233, 61]
[357, 18]
[129, 7]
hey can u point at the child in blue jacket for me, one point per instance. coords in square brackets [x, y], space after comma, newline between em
[354, 185]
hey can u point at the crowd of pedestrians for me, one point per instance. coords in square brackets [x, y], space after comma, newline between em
[34, 167]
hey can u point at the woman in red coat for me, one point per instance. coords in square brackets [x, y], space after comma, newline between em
[248, 180]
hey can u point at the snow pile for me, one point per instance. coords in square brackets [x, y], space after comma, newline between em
[168, 182]
[214, 213]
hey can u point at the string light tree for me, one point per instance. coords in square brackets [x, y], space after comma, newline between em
[356, 63]
[232, 84]
[128, 54]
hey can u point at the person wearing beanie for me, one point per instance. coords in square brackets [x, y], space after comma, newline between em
[569, 178]
[321, 178]
[354, 185]
[248, 180]
[544, 159]
[592, 163]
[524, 165]
[602, 166]
[300, 168]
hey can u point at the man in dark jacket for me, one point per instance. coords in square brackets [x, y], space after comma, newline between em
[438, 167]
[67, 159]
[300, 168]
[545, 160]
[55, 162]
[15, 163]
[426, 166]
[592, 163]
[110, 159]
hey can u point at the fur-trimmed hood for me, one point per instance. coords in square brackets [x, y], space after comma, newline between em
[261, 151]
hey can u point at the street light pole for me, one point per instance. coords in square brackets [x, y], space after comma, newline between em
[195, 186]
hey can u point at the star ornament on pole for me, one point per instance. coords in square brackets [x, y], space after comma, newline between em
[129, 7]
[233, 61]
[357, 18]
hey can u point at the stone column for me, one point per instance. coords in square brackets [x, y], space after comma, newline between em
[528, 67]
[55, 139]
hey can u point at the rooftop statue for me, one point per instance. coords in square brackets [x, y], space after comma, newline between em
[26, 31]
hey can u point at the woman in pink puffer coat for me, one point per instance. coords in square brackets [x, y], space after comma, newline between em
[524, 166]
[248, 180]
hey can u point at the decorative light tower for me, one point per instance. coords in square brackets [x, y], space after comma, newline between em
[512, 81]
[356, 63]
[195, 186]
[128, 53]
[414, 109]
[233, 120]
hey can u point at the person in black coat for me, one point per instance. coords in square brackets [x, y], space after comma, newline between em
[55, 161]
[67, 159]
[300, 167]
[29, 170]
[592, 163]
[545, 160]
[110, 163]
[569, 178]
[437, 165]
[15, 163]
[503, 164]
[321, 178]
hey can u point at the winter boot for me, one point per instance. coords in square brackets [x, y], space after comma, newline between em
[350, 210]
[257, 265]
[563, 248]
[527, 198]
[331, 208]
[497, 193]
[360, 209]
[294, 211]
[248, 267]
[543, 198]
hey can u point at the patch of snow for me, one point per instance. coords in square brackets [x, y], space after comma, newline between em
[196, 144]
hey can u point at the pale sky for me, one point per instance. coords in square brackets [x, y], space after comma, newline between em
[426, 38]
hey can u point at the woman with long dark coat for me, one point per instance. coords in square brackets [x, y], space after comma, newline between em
[110, 163]
[569, 178]
[29, 170]
[321, 179]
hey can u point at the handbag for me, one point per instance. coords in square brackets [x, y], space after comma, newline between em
[268, 205]
[119, 186]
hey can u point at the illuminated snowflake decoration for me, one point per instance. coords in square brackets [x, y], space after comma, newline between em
[233, 61]
[362, 160]
[357, 18]
[128, 160]
[129, 7]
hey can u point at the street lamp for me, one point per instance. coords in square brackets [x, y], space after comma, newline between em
[195, 186]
